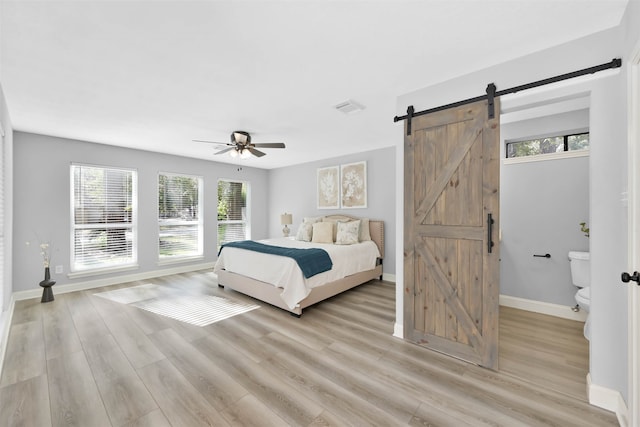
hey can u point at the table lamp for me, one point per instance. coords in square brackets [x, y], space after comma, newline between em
[286, 219]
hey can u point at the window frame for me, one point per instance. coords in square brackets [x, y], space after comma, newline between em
[565, 153]
[246, 221]
[76, 271]
[178, 258]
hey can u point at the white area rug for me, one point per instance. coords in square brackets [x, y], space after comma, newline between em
[199, 310]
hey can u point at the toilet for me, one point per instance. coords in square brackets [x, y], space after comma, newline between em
[581, 278]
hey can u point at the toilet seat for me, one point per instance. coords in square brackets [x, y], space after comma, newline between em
[583, 297]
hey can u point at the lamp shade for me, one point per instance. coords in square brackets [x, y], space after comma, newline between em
[286, 219]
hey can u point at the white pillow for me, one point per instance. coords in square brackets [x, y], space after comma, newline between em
[322, 232]
[305, 231]
[348, 232]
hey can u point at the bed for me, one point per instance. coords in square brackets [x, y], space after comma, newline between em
[279, 281]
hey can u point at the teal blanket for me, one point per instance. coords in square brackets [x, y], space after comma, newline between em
[311, 261]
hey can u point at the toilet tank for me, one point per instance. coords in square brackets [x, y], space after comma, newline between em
[580, 271]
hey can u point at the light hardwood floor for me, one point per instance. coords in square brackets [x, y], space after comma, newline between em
[86, 361]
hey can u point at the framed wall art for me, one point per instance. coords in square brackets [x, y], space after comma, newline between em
[328, 188]
[353, 185]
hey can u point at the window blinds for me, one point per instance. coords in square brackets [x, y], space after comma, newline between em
[179, 216]
[103, 217]
[232, 212]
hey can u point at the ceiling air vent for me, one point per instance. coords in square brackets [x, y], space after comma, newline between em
[349, 107]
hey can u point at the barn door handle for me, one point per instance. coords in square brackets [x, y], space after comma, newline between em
[490, 222]
[626, 277]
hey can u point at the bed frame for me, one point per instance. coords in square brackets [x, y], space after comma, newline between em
[270, 294]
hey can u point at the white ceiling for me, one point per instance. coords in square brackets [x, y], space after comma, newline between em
[154, 75]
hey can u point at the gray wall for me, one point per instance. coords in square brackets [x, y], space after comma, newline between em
[42, 208]
[293, 190]
[607, 173]
[541, 205]
[608, 241]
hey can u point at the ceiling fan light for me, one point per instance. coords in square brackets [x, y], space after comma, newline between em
[233, 153]
[245, 153]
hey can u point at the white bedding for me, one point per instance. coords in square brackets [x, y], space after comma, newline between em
[283, 272]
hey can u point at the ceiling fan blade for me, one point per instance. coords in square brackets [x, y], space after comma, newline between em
[211, 142]
[224, 151]
[256, 153]
[270, 145]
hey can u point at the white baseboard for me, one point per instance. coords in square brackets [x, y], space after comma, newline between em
[550, 309]
[389, 277]
[90, 284]
[398, 330]
[608, 399]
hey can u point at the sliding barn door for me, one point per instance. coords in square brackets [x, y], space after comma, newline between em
[451, 217]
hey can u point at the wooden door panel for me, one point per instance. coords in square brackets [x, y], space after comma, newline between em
[441, 261]
[449, 148]
[460, 202]
[451, 183]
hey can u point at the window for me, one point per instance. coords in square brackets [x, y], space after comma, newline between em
[233, 224]
[103, 223]
[552, 144]
[179, 216]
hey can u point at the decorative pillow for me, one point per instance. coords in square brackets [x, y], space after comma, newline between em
[334, 223]
[348, 232]
[305, 231]
[365, 235]
[322, 232]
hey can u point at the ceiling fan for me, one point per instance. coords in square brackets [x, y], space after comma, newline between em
[242, 146]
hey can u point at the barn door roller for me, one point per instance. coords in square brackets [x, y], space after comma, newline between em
[492, 93]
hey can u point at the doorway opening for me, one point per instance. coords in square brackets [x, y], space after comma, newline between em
[544, 205]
